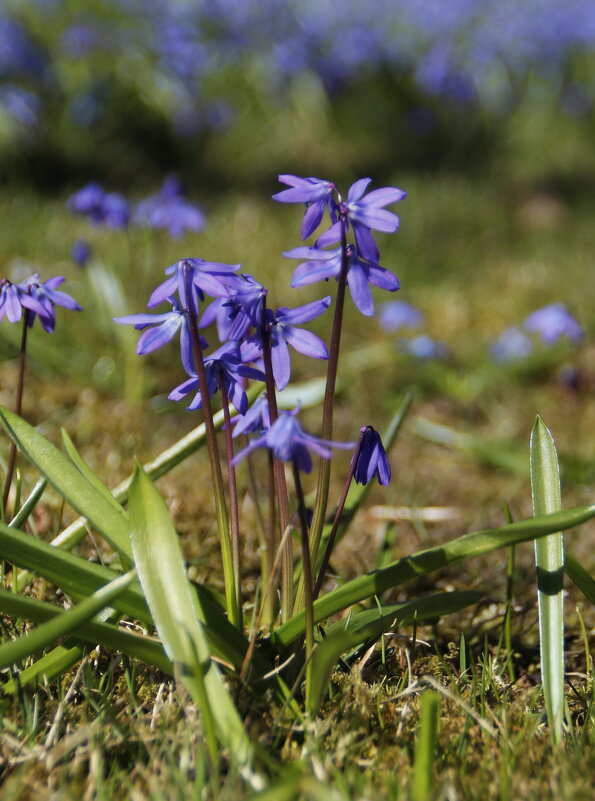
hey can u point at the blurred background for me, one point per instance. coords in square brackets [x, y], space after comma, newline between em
[178, 116]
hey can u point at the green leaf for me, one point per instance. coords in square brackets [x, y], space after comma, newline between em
[111, 523]
[29, 505]
[356, 629]
[577, 573]
[175, 611]
[549, 559]
[422, 782]
[86, 471]
[423, 562]
[46, 634]
[139, 647]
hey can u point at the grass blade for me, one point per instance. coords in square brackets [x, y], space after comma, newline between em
[577, 574]
[425, 747]
[29, 505]
[85, 470]
[46, 634]
[423, 562]
[111, 523]
[549, 559]
[92, 632]
[161, 570]
[356, 629]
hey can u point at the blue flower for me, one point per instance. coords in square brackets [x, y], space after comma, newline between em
[205, 277]
[315, 193]
[512, 344]
[170, 210]
[364, 214]
[281, 325]
[239, 311]
[423, 347]
[289, 442]
[101, 207]
[399, 314]
[552, 323]
[166, 326]
[324, 264]
[256, 420]
[37, 299]
[80, 252]
[223, 366]
[372, 460]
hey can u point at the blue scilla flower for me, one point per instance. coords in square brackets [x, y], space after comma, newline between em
[281, 325]
[37, 299]
[320, 265]
[159, 329]
[315, 193]
[423, 347]
[80, 252]
[289, 442]
[205, 278]
[371, 460]
[222, 367]
[239, 311]
[365, 213]
[512, 344]
[256, 420]
[552, 323]
[102, 208]
[169, 210]
[399, 314]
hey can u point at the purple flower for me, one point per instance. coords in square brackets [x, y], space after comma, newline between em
[239, 311]
[223, 366]
[205, 277]
[325, 264]
[281, 325]
[552, 323]
[256, 420]
[512, 344]
[399, 314]
[316, 194]
[36, 298]
[364, 214]
[423, 347]
[372, 460]
[80, 252]
[168, 209]
[289, 442]
[101, 207]
[166, 326]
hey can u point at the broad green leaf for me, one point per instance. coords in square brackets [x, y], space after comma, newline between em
[45, 635]
[111, 523]
[160, 565]
[162, 464]
[423, 562]
[577, 573]
[549, 560]
[134, 645]
[358, 628]
[85, 470]
[29, 505]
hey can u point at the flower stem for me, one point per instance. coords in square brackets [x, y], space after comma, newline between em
[307, 577]
[280, 481]
[332, 536]
[324, 469]
[233, 499]
[213, 451]
[12, 455]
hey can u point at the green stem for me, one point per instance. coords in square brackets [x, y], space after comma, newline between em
[233, 500]
[307, 576]
[18, 407]
[213, 451]
[324, 470]
[280, 480]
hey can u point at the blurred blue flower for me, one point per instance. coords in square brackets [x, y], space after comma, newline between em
[169, 210]
[256, 420]
[80, 252]
[423, 348]
[397, 314]
[324, 264]
[512, 344]
[101, 207]
[552, 323]
[289, 442]
[372, 460]
[223, 367]
[22, 105]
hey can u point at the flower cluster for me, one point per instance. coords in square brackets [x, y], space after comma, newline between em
[34, 299]
[550, 324]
